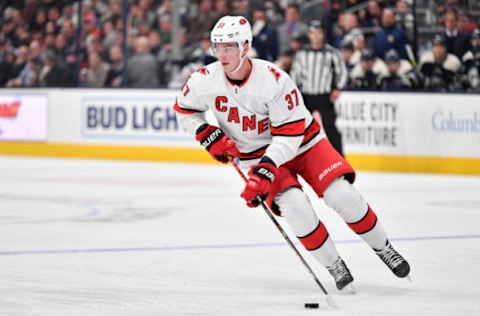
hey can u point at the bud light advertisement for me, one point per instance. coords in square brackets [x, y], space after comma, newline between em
[144, 117]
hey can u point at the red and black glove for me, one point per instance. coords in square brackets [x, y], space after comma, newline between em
[216, 142]
[260, 179]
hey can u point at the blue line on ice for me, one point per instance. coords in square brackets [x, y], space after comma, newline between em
[208, 247]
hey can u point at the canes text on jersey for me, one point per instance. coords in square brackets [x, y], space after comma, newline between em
[249, 123]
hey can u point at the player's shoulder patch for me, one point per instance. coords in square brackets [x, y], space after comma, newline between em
[203, 70]
[199, 76]
[452, 63]
[427, 58]
[468, 56]
[275, 72]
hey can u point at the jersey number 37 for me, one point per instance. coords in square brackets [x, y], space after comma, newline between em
[292, 96]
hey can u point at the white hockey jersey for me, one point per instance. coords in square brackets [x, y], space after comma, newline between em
[265, 115]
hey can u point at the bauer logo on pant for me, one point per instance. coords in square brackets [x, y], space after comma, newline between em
[328, 170]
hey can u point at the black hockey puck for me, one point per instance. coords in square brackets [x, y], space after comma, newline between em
[311, 305]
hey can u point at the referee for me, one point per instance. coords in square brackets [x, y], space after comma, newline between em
[320, 74]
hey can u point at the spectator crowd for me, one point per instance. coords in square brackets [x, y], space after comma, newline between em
[44, 43]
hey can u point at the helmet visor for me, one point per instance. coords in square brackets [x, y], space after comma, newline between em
[225, 48]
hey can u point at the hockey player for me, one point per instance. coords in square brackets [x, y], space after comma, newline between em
[264, 123]
[438, 68]
[471, 61]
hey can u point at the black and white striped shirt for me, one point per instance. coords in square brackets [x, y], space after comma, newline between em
[319, 71]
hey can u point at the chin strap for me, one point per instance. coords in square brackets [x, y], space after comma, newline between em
[242, 59]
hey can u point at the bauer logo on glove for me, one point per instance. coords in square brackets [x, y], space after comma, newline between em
[259, 182]
[211, 138]
[267, 173]
[218, 145]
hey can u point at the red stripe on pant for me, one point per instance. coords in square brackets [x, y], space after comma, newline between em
[316, 238]
[366, 224]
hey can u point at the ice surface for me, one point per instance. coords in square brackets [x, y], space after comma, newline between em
[82, 237]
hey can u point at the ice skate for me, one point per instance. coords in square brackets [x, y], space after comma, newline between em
[394, 261]
[341, 274]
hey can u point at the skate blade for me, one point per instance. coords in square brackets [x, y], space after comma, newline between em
[350, 289]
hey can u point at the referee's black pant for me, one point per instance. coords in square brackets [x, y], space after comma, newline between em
[322, 104]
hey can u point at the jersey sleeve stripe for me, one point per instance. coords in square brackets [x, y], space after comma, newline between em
[180, 110]
[295, 128]
[310, 132]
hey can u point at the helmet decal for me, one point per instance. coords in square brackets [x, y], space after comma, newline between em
[232, 29]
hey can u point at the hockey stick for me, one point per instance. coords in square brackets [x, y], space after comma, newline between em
[410, 55]
[269, 212]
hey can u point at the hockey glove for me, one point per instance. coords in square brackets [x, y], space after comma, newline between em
[214, 140]
[260, 179]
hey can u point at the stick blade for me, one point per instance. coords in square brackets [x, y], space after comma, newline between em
[331, 302]
[350, 289]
